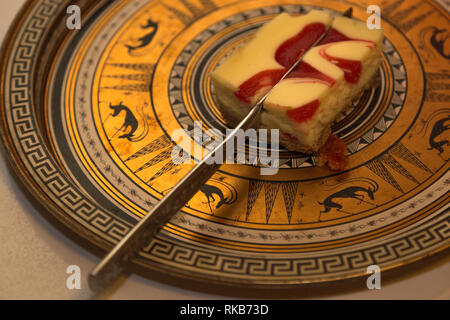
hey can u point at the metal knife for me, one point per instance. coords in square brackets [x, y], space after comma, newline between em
[116, 260]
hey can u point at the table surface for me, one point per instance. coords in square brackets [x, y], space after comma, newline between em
[34, 255]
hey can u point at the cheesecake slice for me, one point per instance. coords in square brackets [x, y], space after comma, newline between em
[304, 105]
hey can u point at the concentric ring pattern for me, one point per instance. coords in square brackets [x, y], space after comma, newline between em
[93, 141]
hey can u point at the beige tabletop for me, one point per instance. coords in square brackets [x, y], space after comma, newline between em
[34, 256]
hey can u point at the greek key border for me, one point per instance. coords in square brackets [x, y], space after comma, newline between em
[27, 137]
[383, 255]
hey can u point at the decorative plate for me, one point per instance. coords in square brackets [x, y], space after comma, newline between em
[87, 117]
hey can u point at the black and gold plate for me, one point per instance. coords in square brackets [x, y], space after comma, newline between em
[87, 117]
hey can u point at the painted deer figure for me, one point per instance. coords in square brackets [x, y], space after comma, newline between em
[145, 39]
[353, 192]
[438, 128]
[438, 39]
[210, 191]
[130, 120]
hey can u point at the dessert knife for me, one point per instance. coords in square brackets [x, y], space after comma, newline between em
[116, 260]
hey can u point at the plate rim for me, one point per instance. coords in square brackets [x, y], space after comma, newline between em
[54, 211]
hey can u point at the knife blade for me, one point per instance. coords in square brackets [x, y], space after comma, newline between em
[116, 260]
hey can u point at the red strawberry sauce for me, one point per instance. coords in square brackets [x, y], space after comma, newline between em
[333, 153]
[288, 53]
[303, 113]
